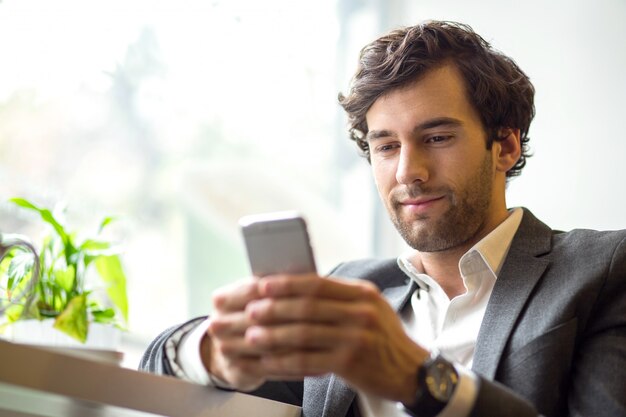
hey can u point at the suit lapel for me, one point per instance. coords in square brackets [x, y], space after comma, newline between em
[331, 396]
[520, 273]
[397, 297]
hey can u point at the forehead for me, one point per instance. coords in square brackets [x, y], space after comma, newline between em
[440, 92]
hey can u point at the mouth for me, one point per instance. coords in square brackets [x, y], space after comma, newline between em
[420, 201]
[421, 205]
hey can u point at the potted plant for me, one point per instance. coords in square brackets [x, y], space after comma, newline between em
[65, 293]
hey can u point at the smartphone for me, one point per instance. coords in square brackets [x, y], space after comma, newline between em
[277, 243]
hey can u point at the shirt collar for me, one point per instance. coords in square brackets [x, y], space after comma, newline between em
[490, 252]
[494, 247]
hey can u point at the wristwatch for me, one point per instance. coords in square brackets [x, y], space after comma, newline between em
[436, 381]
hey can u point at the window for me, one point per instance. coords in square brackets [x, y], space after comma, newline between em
[179, 118]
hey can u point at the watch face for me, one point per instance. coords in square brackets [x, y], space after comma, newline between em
[441, 379]
[436, 380]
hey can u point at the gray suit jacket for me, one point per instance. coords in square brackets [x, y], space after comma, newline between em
[552, 342]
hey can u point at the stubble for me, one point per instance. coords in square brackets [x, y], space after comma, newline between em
[462, 221]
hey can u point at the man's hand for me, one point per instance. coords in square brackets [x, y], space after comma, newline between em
[305, 325]
[225, 351]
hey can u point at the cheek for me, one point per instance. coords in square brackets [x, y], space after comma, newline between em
[384, 177]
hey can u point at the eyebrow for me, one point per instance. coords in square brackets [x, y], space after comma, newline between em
[428, 124]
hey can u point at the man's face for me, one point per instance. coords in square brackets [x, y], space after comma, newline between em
[431, 164]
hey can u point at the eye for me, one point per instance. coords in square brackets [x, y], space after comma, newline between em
[386, 147]
[438, 139]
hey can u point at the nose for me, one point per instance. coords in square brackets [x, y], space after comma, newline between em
[412, 166]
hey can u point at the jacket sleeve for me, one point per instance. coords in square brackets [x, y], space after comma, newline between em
[496, 400]
[155, 361]
[599, 371]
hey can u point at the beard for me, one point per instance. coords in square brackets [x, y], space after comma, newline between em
[462, 221]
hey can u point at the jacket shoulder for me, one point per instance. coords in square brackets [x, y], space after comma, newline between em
[382, 272]
[589, 242]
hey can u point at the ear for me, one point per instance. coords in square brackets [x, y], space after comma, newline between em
[508, 149]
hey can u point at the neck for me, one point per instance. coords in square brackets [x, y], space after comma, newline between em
[443, 266]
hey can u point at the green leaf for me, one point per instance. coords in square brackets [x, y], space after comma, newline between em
[45, 214]
[94, 245]
[103, 316]
[65, 278]
[14, 312]
[112, 273]
[73, 320]
[21, 266]
[33, 312]
[5, 263]
[105, 222]
[92, 249]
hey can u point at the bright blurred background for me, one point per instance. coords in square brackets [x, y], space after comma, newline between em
[180, 117]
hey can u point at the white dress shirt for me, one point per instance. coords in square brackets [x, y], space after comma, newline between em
[431, 319]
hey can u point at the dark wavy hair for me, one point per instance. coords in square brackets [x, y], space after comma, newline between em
[497, 88]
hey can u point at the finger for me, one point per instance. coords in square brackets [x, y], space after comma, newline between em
[247, 372]
[243, 373]
[249, 365]
[305, 337]
[234, 297]
[312, 310]
[297, 364]
[314, 285]
[235, 348]
[229, 324]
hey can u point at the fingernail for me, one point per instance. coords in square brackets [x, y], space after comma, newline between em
[213, 325]
[254, 334]
[253, 310]
[264, 287]
[218, 301]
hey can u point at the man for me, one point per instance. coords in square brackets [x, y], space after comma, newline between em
[491, 314]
